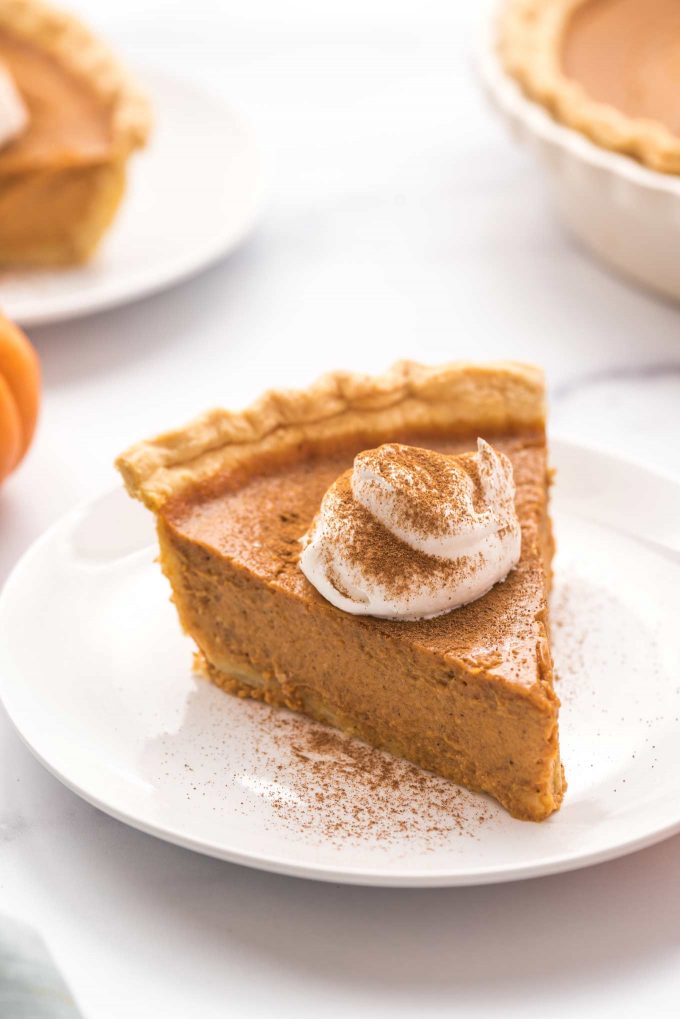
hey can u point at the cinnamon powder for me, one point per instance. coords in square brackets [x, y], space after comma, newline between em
[380, 554]
[341, 789]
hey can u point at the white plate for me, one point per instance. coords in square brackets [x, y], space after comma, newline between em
[193, 195]
[96, 677]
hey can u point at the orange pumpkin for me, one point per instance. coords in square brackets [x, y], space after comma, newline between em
[19, 395]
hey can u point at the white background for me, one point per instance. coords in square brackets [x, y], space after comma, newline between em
[401, 222]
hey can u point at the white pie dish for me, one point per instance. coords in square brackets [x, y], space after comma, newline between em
[625, 213]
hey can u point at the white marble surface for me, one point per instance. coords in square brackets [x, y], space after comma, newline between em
[401, 222]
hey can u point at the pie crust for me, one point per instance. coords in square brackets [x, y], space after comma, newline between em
[456, 397]
[530, 35]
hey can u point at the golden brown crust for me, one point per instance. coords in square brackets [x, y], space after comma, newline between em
[460, 396]
[530, 34]
[74, 46]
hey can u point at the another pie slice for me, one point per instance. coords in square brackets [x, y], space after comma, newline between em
[70, 117]
[468, 695]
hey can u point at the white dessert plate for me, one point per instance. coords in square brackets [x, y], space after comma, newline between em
[97, 679]
[193, 196]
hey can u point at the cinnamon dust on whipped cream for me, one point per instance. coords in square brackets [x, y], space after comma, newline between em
[410, 533]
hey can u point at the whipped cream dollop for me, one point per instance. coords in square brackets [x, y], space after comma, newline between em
[411, 533]
[13, 112]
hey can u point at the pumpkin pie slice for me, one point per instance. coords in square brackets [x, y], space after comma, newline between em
[467, 694]
[70, 117]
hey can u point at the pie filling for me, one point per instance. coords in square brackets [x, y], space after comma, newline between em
[257, 524]
[67, 122]
[626, 53]
[467, 694]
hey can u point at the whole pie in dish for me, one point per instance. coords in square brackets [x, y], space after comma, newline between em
[70, 117]
[608, 68]
[467, 694]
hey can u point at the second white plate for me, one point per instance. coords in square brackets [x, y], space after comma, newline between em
[193, 196]
[97, 679]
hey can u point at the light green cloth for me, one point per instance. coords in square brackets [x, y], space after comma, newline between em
[30, 984]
